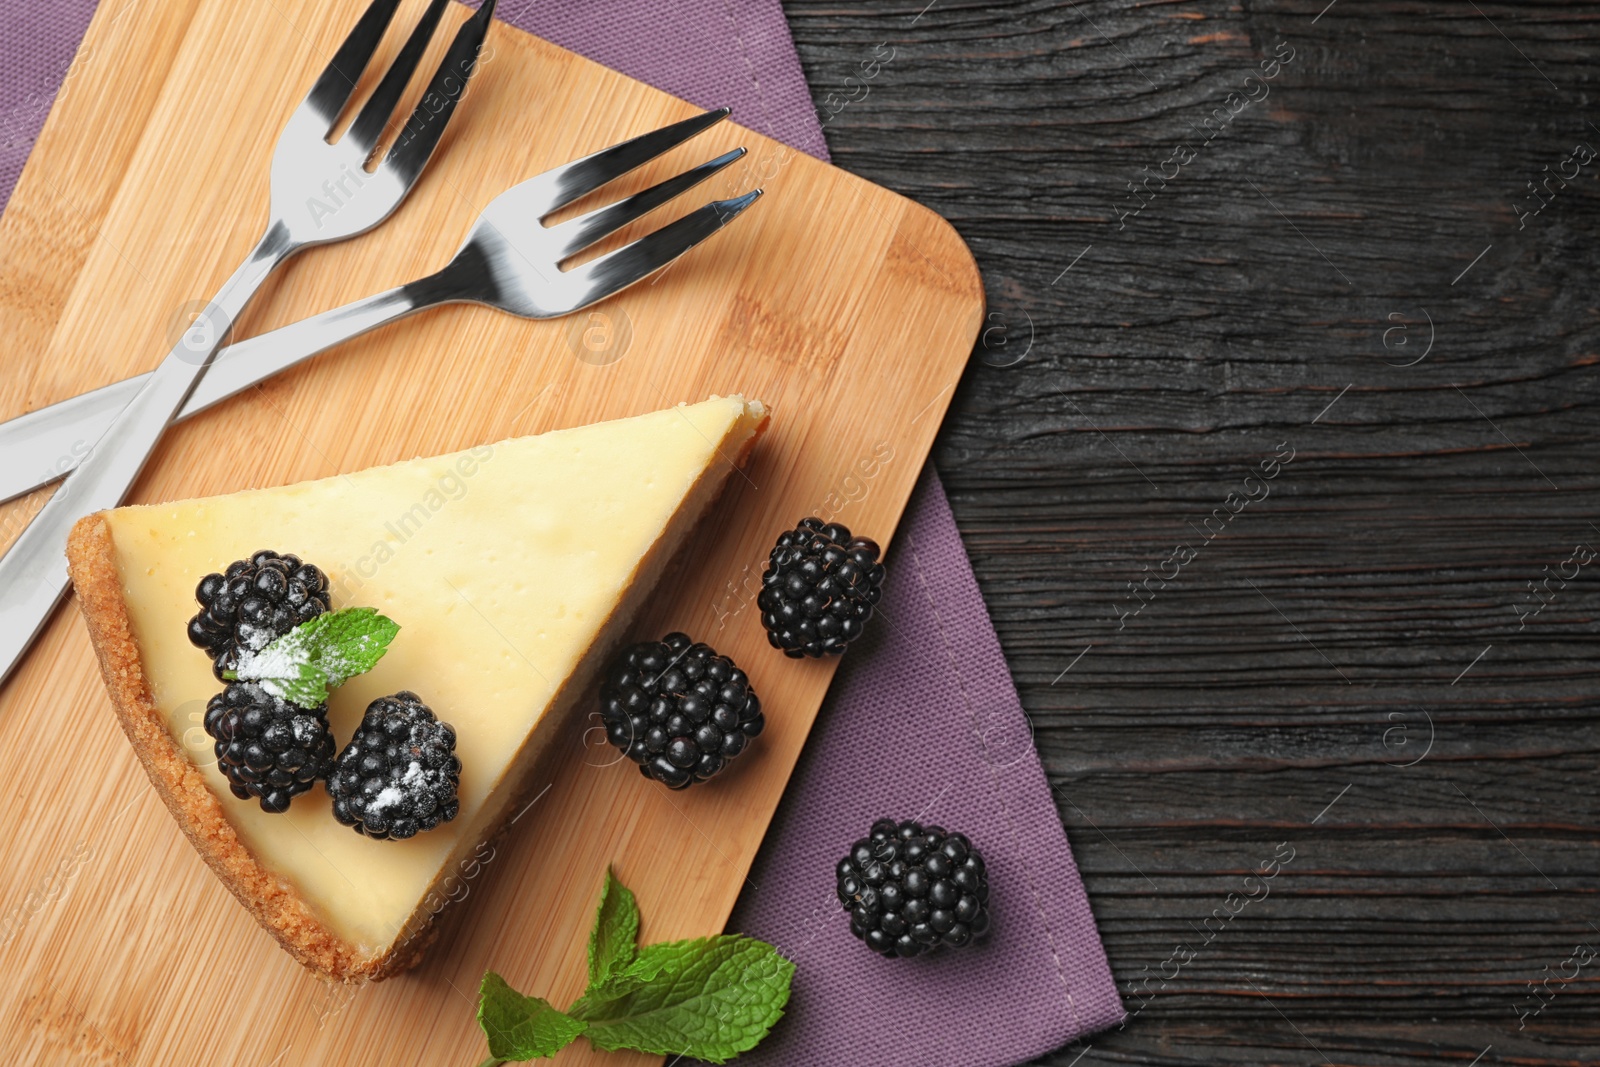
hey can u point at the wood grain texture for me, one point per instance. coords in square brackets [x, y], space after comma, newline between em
[1303, 649]
[117, 944]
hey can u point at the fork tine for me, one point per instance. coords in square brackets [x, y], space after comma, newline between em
[338, 79]
[416, 143]
[631, 263]
[584, 176]
[577, 234]
[379, 108]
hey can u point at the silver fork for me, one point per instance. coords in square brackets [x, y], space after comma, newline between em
[509, 261]
[321, 193]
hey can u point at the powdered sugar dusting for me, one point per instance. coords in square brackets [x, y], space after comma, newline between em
[256, 637]
[387, 798]
[281, 659]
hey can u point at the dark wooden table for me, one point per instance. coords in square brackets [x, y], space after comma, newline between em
[1280, 469]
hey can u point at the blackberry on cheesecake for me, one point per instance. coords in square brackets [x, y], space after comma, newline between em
[254, 602]
[399, 774]
[268, 748]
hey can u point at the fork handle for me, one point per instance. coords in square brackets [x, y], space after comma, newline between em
[41, 446]
[242, 365]
[33, 574]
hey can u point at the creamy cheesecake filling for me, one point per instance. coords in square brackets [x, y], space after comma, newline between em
[503, 565]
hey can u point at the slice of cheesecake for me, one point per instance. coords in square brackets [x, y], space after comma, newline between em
[512, 570]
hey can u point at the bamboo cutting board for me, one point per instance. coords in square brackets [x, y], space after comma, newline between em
[848, 309]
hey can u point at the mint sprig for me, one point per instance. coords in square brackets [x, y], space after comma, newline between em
[707, 999]
[319, 655]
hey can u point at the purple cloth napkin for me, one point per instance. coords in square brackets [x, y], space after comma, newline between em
[922, 722]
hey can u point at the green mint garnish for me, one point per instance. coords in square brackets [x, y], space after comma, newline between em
[319, 655]
[614, 941]
[519, 1027]
[707, 999]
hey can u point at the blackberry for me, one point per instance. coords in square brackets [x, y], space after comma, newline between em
[910, 888]
[267, 747]
[253, 603]
[819, 589]
[399, 774]
[678, 710]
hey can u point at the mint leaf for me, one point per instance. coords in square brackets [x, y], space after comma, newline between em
[346, 643]
[319, 655]
[708, 999]
[613, 942]
[519, 1027]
